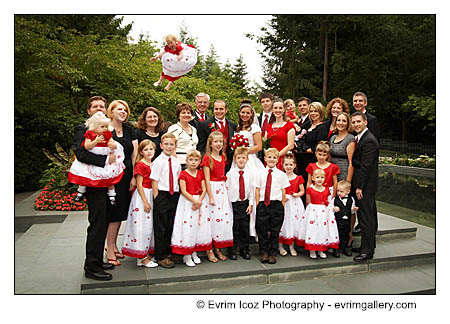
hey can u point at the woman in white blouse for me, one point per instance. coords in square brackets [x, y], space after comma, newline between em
[186, 134]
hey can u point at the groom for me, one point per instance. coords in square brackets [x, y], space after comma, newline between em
[365, 183]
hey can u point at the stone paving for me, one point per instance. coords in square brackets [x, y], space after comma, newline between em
[49, 257]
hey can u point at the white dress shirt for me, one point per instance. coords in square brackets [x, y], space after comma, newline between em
[279, 181]
[160, 172]
[233, 185]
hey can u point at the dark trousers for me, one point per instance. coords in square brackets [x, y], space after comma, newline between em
[164, 208]
[269, 220]
[368, 220]
[344, 228]
[241, 225]
[98, 216]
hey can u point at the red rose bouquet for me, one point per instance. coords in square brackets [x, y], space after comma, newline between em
[238, 140]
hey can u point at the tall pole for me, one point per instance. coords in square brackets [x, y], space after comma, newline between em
[325, 61]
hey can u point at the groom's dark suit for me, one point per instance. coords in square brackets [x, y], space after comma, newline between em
[365, 177]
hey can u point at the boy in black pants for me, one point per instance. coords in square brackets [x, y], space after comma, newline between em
[165, 172]
[241, 192]
[271, 184]
[344, 207]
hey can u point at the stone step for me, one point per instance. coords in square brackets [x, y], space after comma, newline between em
[129, 279]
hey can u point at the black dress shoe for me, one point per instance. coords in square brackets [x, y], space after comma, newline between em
[336, 253]
[97, 275]
[272, 259]
[363, 257]
[347, 252]
[245, 254]
[107, 266]
[232, 256]
[264, 258]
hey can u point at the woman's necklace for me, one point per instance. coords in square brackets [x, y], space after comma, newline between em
[186, 129]
[276, 126]
[151, 134]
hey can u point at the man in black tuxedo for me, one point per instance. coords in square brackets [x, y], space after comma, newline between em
[360, 103]
[201, 104]
[304, 122]
[365, 182]
[222, 124]
[97, 201]
[264, 119]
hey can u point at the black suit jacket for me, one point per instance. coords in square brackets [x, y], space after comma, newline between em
[365, 162]
[306, 124]
[81, 153]
[203, 131]
[372, 125]
[195, 121]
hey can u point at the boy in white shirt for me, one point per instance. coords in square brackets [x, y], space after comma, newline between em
[241, 192]
[271, 186]
[164, 174]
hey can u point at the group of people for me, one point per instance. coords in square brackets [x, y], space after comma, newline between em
[206, 183]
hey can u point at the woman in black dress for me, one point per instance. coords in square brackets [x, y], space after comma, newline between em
[317, 132]
[125, 134]
[150, 126]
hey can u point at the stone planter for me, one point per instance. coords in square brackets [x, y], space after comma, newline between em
[408, 170]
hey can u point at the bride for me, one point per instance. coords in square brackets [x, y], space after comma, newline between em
[249, 128]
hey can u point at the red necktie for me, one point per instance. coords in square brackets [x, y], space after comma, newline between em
[241, 185]
[171, 191]
[300, 122]
[222, 125]
[202, 117]
[357, 140]
[265, 123]
[268, 187]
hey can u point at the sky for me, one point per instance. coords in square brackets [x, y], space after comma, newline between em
[225, 32]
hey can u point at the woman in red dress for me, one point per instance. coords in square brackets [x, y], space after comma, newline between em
[281, 132]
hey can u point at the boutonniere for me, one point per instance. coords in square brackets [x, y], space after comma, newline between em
[212, 127]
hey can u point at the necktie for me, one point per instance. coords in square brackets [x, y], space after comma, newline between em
[171, 190]
[300, 121]
[202, 117]
[268, 187]
[265, 123]
[356, 140]
[241, 185]
[222, 125]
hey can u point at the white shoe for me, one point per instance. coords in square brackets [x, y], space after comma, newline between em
[322, 255]
[283, 252]
[151, 264]
[156, 84]
[187, 260]
[195, 258]
[292, 250]
[312, 254]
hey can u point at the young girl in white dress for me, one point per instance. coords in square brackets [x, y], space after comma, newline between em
[177, 60]
[219, 208]
[191, 229]
[318, 231]
[98, 140]
[293, 209]
[252, 132]
[138, 239]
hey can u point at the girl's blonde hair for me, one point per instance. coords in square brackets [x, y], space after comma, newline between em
[209, 146]
[193, 153]
[171, 37]
[318, 170]
[141, 146]
[97, 119]
[289, 101]
[323, 146]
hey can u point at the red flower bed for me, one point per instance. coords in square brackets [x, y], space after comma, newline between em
[52, 198]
